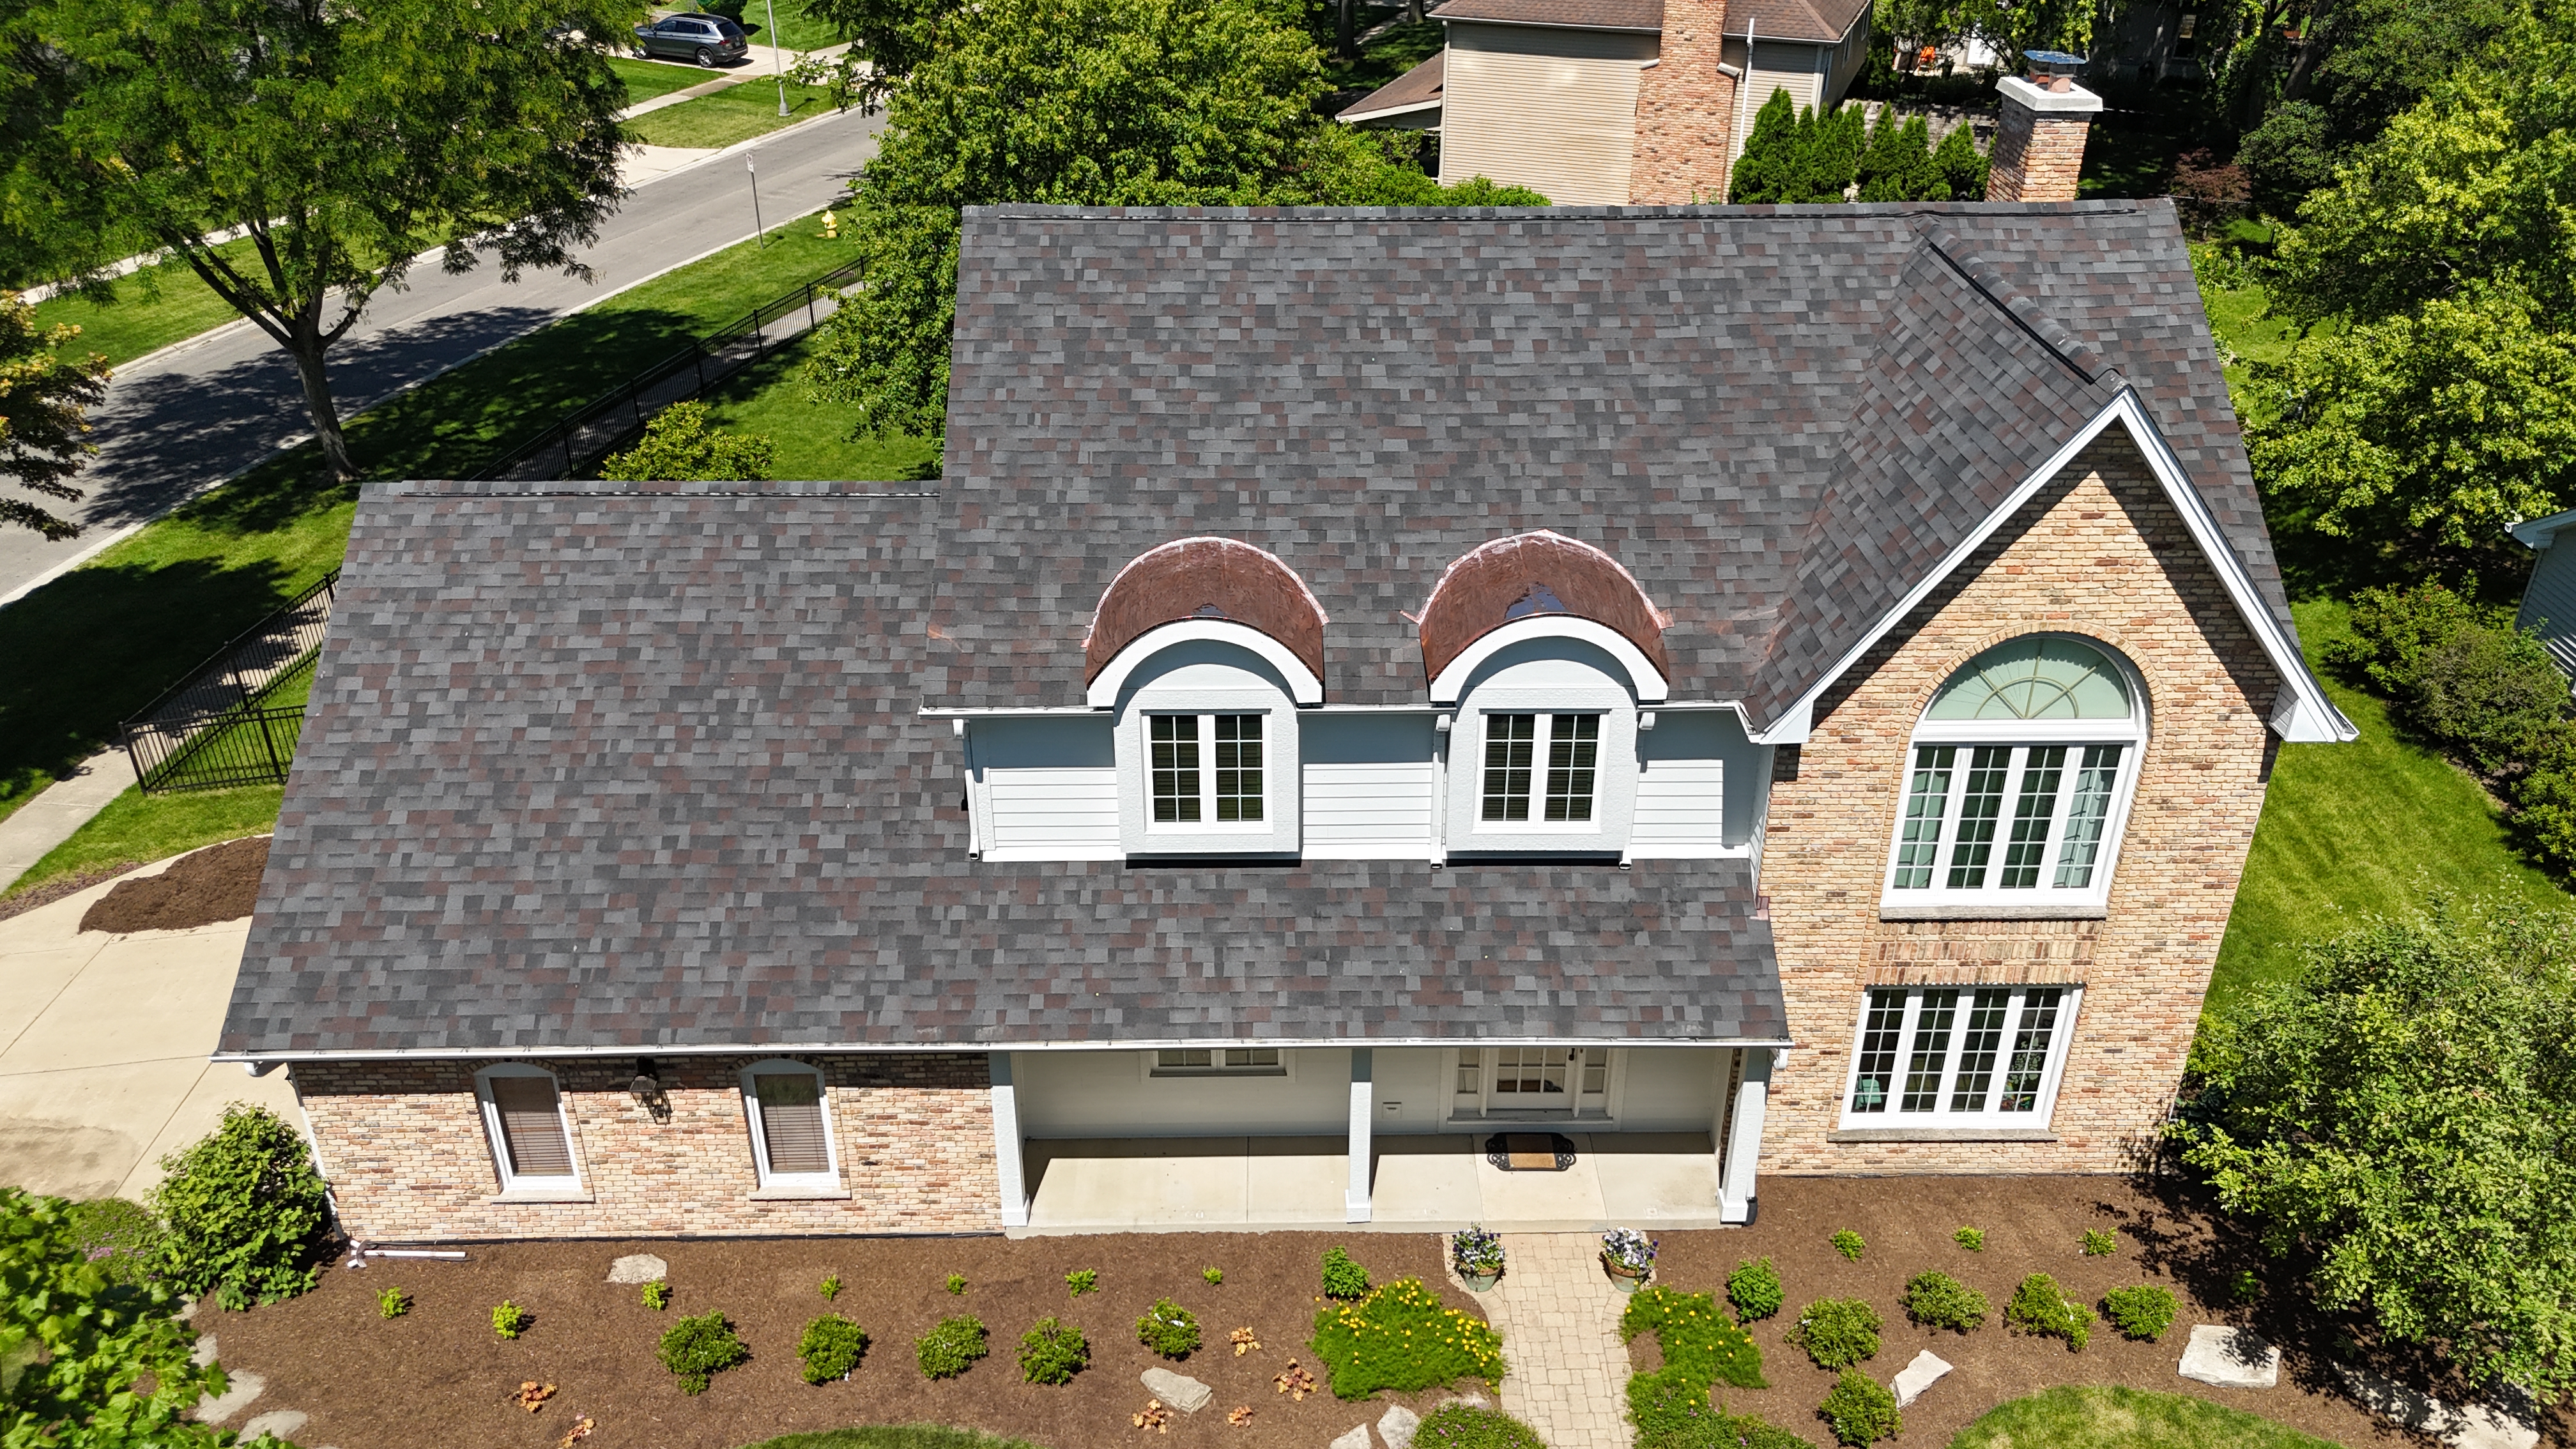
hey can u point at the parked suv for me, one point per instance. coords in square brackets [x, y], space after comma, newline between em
[706, 39]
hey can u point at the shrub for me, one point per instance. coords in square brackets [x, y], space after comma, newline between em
[2143, 1312]
[677, 446]
[80, 1345]
[2038, 1306]
[1168, 1329]
[1213, 1277]
[657, 1294]
[2392, 631]
[2100, 1244]
[957, 1285]
[1697, 1337]
[510, 1320]
[2246, 1286]
[951, 1348]
[1754, 1289]
[1849, 1244]
[1672, 1411]
[1054, 1351]
[1937, 1300]
[1082, 1280]
[1837, 1332]
[1464, 1426]
[830, 1348]
[697, 1349]
[392, 1303]
[120, 1235]
[1972, 1239]
[1400, 1337]
[244, 1211]
[830, 1287]
[1343, 1279]
[2490, 694]
[1962, 164]
[1861, 1410]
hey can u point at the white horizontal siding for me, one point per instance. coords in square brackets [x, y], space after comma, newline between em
[1069, 812]
[1379, 811]
[1681, 809]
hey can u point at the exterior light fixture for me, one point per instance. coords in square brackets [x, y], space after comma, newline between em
[646, 1087]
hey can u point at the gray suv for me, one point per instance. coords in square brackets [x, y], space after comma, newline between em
[706, 39]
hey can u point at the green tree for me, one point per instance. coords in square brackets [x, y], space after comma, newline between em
[1962, 164]
[888, 39]
[2402, 1116]
[245, 1212]
[78, 1348]
[1349, 166]
[678, 447]
[1898, 164]
[349, 140]
[1767, 169]
[43, 395]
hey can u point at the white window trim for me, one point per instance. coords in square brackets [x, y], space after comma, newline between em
[1941, 1118]
[827, 1180]
[1277, 834]
[1613, 1095]
[513, 1182]
[1614, 780]
[1207, 823]
[1304, 687]
[1148, 1063]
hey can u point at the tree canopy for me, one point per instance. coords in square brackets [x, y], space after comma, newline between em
[43, 398]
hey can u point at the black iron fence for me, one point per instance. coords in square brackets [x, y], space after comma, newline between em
[220, 726]
[563, 448]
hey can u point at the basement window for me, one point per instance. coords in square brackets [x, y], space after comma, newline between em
[1219, 1062]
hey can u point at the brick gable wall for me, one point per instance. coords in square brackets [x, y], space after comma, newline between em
[1685, 111]
[404, 1148]
[2098, 553]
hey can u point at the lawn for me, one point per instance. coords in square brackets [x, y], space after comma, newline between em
[797, 30]
[647, 79]
[2117, 1418]
[728, 116]
[150, 310]
[136, 829]
[770, 398]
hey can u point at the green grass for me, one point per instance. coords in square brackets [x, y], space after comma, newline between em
[797, 29]
[747, 110]
[2113, 1418]
[150, 310]
[770, 398]
[2129, 155]
[646, 79]
[895, 1436]
[136, 829]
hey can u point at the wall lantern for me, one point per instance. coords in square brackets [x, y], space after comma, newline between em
[647, 1090]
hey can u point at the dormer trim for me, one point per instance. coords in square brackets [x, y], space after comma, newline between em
[1305, 686]
[1508, 583]
[1643, 677]
[1207, 580]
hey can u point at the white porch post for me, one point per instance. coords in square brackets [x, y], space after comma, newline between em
[1744, 1142]
[1355, 1199]
[1007, 1172]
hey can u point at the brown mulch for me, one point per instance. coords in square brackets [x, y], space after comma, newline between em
[218, 883]
[438, 1375]
[60, 886]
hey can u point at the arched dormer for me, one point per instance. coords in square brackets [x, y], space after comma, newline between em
[1205, 589]
[1534, 585]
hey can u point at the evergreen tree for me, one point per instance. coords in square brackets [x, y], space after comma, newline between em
[1961, 165]
[1771, 153]
[1898, 165]
[1833, 157]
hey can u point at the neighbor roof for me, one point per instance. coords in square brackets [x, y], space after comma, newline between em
[1820, 22]
[1416, 90]
[1640, 15]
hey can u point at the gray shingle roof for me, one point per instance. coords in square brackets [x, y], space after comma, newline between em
[635, 767]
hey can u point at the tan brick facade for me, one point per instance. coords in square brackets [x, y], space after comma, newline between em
[2100, 553]
[404, 1148]
[1685, 111]
[2037, 157]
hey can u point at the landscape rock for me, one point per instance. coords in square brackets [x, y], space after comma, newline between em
[215, 1408]
[2474, 1426]
[2230, 1358]
[1398, 1426]
[1925, 1371]
[1358, 1438]
[638, 1268]
[205, 1353]
[1473, 1401]
[276, 1423]
[1177, 1390]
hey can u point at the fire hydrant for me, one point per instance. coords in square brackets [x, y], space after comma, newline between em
[831, 226]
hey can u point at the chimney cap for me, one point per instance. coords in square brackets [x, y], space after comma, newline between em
[2053, 69]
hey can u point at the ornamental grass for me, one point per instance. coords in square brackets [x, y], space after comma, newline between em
[1402, 1337]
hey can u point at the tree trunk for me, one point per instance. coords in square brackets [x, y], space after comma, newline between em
[1345, 31]
[307, 351]
[1413, 11]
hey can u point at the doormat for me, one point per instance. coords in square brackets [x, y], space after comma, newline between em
[1529, 1152]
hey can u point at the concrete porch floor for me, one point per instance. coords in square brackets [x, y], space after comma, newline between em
[1258, 1184]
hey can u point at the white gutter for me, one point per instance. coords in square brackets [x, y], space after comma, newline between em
[631, 1052]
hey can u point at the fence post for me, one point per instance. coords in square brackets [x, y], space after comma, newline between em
[698, 355]
[811, 322]
[269, 742]
[565, 429]
[133, 758]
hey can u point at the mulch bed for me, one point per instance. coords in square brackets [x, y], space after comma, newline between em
[438, 1375]
[218, 883]
[36, 896]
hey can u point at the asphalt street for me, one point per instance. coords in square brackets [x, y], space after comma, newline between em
[187, 417]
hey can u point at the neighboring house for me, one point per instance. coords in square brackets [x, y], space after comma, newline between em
[1603, 102]
[1379, 701]
[2549, 599]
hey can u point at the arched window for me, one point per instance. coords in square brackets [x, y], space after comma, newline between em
[531, 1134]
[2017, 784]
[791, 1125]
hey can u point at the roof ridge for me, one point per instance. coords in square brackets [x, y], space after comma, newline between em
[1990, 283]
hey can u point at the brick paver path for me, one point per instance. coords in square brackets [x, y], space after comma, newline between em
[1559, 1318]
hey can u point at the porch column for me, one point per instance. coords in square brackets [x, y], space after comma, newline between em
[1007, 1172]
[1744, 1139]
[1355, 1199]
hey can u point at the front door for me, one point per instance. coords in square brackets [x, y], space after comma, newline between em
[1533, 1081]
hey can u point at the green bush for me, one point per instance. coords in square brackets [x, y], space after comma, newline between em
[1837, 1332]
[1343, 1279]
[657, 1294]
[1213, 1277]
[79, 1345]
[121, 1236]
[2038, 1307]
[2143, 1312]
[1698, 1338]
[1168, 1329]
[697, 1349]
[1672, 1411]
[2392, 631]
[1082, 1280]
[392, 1303]
[1464, 1426]
[1972, 1239]
[1401, 1337]
[830, 1287]
[2100, 1244]
[1054, 1351]
[677, 446]
[830, 1348]
[951, 1348]
[1962, 164]
[509, 1320]
[956, 1285]
[1861, 1410]
[244, 1211]
[1937, 1300]
[1754, 1289]
[1849, 1244]
[2491, 695]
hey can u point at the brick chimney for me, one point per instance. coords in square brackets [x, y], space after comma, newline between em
[1685, 111]
[2039, 143]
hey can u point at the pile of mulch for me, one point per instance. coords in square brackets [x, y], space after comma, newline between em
[439, 1375]
[219, 883]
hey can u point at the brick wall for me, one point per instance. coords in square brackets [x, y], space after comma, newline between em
[404, 1147]
[2097, 553]
[2036, 157]
[1685, 111]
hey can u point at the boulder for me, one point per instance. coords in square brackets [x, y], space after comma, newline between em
[215, 1408]
[1358, 1438]
[276, 1423]
[1925, 1371]
[2469, 1426]
[2230, 1358]
[1177, 1390]
[1398, 1426]
[638, 1268]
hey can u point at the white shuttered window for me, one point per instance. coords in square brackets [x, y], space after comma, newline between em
[791, 1132]
[531, 1139]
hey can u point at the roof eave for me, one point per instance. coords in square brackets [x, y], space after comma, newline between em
[1551, 25]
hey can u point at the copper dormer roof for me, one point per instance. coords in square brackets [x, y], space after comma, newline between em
[1510, 579]
[1205, 578]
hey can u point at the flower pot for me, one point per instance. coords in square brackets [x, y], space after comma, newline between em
[1623, 1277]
[1479, 1282]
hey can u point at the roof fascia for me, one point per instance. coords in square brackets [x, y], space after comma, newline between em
[2539, 533]
[1554, 25]
[772, 1049]
[1355, 115]
[2304, 715]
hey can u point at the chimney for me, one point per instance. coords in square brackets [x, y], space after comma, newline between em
[1685, 109]
[2039, 145]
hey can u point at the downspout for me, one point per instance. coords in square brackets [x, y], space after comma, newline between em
[1743, 90]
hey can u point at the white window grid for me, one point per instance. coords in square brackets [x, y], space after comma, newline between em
[830, 1177]
[1207, 772]
[1218, 1062]
[1538, 770]
[1985, 819]
[1959, 1056]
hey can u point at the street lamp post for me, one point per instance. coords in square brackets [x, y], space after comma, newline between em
[777, 62]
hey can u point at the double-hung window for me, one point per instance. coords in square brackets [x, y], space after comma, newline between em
[1540, 767]
[2016, 783]
[1206, 768]
[1959, 1056]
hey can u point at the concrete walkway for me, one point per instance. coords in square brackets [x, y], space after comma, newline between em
[1559, 1317]
[103, 1044]
[35, 828]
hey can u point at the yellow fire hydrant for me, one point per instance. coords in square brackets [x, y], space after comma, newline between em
[831, 226]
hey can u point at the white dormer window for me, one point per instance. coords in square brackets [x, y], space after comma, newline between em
[1543, 753]
[1205, 730]
[1207, 769]
[1514, 778]
[2017, 783]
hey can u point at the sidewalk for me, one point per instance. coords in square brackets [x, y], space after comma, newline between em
[1559, 1317]
[59, 809]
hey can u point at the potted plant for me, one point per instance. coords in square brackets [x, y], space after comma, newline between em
[1478, 1257]
[1629, 1256]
